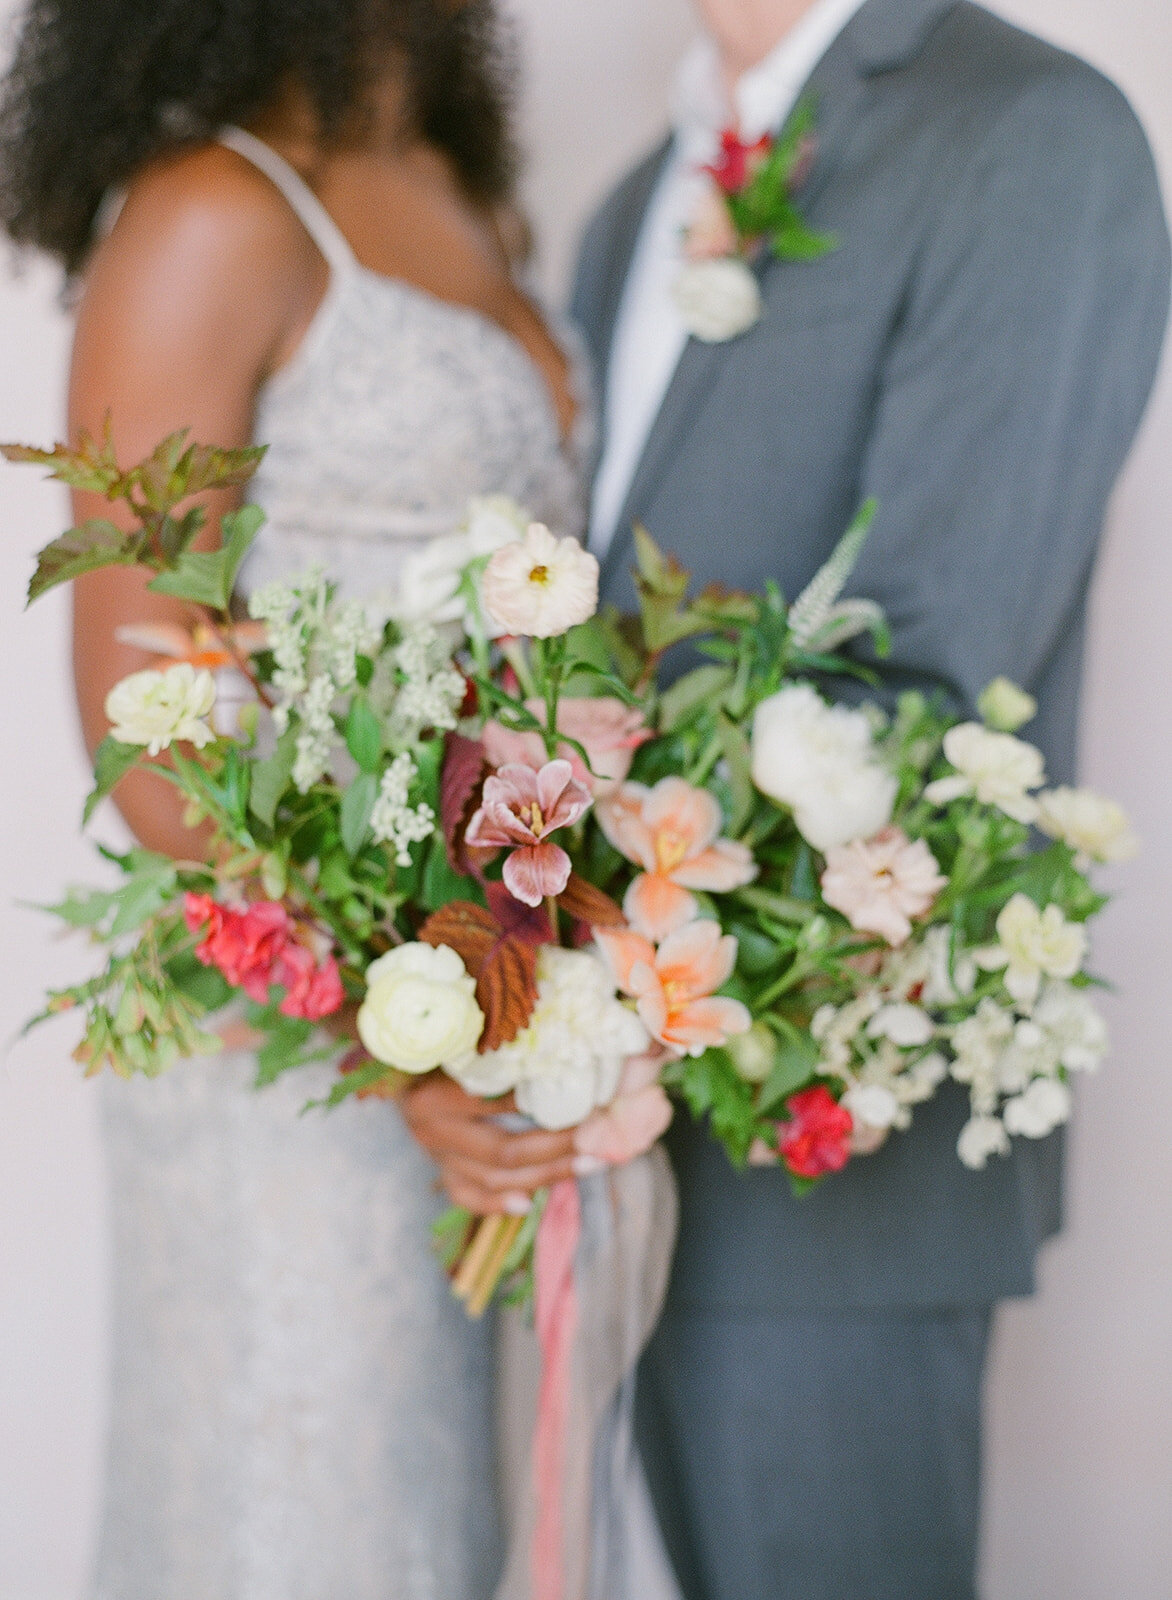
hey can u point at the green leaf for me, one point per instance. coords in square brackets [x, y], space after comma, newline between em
[364, 736]
[270, 778]
[93, 545]
[441, 884]
[112, 761]
[284, 1047]
[796, 1059]
[737, 755]
[92, 466]
[357, 805]
[197, 577]
[704, 685]
[238, 530]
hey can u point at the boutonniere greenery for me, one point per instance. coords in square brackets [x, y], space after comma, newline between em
[749, 205]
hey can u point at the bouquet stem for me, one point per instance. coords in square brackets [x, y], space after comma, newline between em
[480, 1270]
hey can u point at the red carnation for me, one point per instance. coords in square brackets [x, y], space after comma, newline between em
[244, 945]
[737, 161]
[816, 1139]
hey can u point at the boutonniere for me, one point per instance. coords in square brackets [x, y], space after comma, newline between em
[749, 205]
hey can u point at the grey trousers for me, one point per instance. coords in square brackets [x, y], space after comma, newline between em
[830, 1455]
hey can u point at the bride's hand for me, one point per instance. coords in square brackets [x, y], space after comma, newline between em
[483, 1167]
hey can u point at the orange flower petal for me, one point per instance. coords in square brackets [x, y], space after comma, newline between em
[697, 959]
[624, 949]
[724, 865]
[657, 907]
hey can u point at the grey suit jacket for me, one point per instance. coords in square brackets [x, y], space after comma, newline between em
[977, 355]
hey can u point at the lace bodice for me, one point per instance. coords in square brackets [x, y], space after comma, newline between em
[396, 408]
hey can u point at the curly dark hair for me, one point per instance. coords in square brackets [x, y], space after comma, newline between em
[100, 87]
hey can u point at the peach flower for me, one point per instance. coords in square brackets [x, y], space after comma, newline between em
[880, 884]
[672, 832]
[637, 1116]
[674, 986]
[607, 730]
[519, 808]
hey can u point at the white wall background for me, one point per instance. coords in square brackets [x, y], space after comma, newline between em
[1080, 1404]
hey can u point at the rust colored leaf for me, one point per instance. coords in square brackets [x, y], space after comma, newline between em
[585, 903]
[466, 928]
[459, 786]
[506, 991]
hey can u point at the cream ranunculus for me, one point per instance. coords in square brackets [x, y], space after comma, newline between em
[158, 708]
[1095, 828]
[540, 586]
[820, 761]
[1033, 944]
[999, 769]
[718, 298]
[420, 1009]
[1005, 707]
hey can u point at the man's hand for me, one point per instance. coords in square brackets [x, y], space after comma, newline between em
[483, 1167]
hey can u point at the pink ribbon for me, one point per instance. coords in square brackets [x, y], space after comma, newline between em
[556, 1318]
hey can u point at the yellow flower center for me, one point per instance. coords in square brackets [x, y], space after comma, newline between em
[539, 575]
[671, 849]
[675, 993]
[533, 817]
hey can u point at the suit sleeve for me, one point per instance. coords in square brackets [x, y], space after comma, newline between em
[1012, 388]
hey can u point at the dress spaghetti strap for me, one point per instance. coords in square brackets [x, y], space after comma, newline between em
[316, 220]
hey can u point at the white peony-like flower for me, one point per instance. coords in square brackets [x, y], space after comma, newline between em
[820, 761]
[718, 298]
[1074, 1025]
[1095, 828]
[569, 1058]
[420, 1009]
[1041, 1108]
[999, 769]
[980, 1138]
[430, 577]
[1005, 707]
[540, 586]
[157, 708]
[1033, 945]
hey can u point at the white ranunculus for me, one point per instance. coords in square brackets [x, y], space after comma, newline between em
[980, 1138]
[820, 761]
[999, 769]
[718, 298]
[1005, 707]
[429, 580]
[569, 1057]
[420, 1009]
[1075, 1026]
[1033, 945]
[540, 586]
[1044, 1106]
[1097, 829]
[158, 708]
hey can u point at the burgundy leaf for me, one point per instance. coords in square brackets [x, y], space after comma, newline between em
[460, 780]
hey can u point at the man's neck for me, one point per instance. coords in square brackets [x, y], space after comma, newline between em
[746, 31]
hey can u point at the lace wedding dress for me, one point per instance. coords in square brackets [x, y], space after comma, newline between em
[300, 1409]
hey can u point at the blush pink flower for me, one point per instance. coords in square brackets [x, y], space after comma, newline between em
[672, 832]
[540, 585]
[639, 1114]
[607, 730]
[674, 986]
[313, 990]
[519, 808]
[880, 884]
[245, 946]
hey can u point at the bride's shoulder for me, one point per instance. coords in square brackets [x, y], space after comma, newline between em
[205, 240]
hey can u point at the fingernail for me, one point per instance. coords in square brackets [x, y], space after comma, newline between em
[587, 1166]
[517, 1205]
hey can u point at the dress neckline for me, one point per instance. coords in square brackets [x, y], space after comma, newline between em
[344, 264]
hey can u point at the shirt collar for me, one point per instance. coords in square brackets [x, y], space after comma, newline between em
[767, 92]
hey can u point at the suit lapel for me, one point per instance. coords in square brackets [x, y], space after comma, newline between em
[884, 35]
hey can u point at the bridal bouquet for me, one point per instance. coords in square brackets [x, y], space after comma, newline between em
[485, 826]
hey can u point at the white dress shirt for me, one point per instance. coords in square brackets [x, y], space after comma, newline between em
[649, 336]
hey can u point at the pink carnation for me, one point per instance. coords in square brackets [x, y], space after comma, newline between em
[880, 884]
[243, 945]
[312, 991]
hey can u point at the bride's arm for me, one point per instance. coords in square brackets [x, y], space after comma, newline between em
[202, 288]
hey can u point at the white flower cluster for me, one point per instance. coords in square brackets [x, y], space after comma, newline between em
[570, 1056]
[891, 1052]
[429, 690]
[315, 646]
[394, 820]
